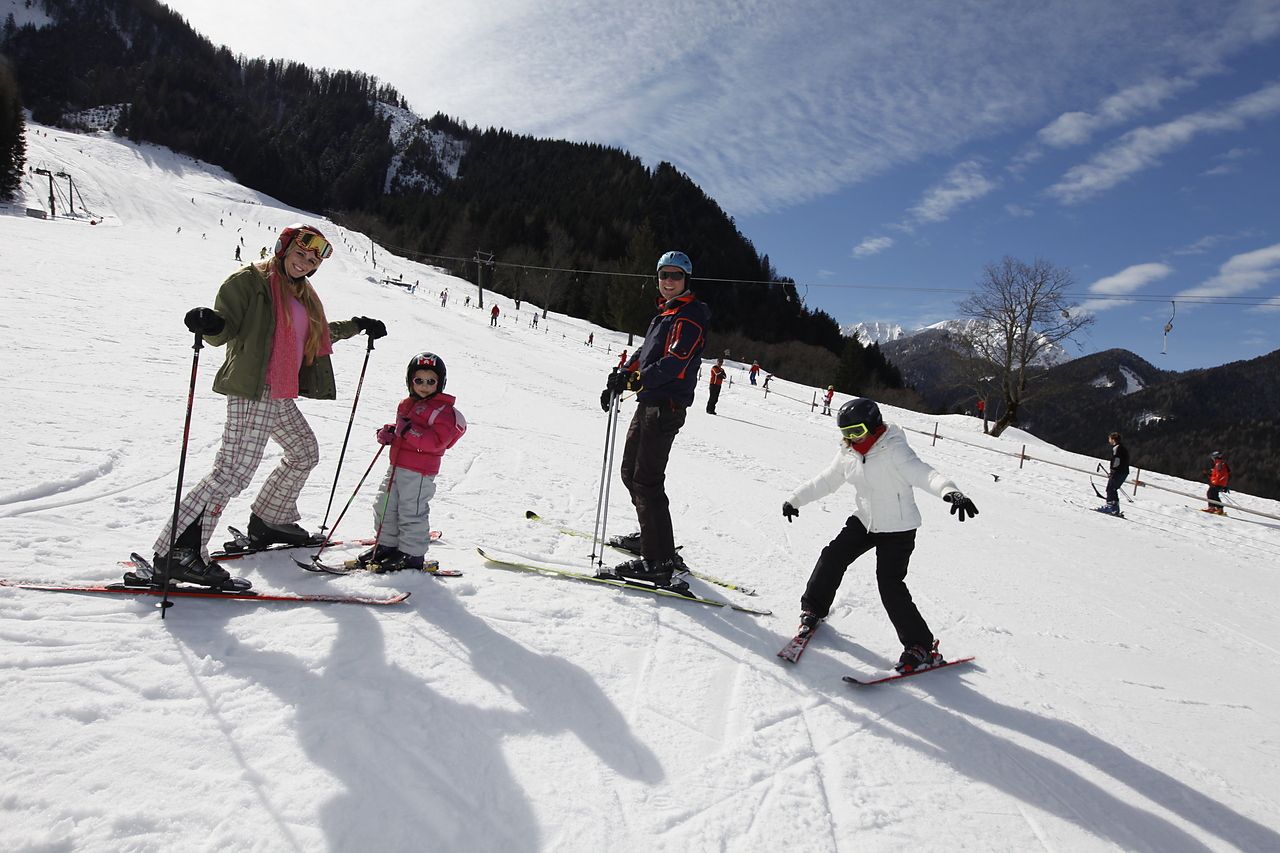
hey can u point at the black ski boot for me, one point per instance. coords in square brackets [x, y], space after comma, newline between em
[808, 622]
[918, 657]
[264, 533]
[378, 554]
[660, 573]
[185, 565]
[629, 542]
[401, 562]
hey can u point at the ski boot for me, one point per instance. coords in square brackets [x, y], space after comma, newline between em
[918, 657]
[629, 542]
[402, 561]
[264, 533]
[185, 565]
[660, 573]
[378, 554]
[808, 623]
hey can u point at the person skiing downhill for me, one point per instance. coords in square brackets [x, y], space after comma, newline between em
[426, 426]
[664, 373]
[278, 346]
[884, 470]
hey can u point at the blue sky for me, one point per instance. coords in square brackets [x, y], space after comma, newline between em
[882, 153]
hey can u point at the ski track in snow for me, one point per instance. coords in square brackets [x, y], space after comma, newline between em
[1123, 696]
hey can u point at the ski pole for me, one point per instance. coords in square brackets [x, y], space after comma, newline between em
[342, 514]
[602, 505]
[342, 455]
[165, 603]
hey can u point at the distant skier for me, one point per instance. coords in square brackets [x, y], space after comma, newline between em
[493, 316]
[753, 372]
[1219, 476]
[426, 426]
[826, 399]
[278, 345]
[717, 380]
[664, 375]
[884, 470]
[1118, 473]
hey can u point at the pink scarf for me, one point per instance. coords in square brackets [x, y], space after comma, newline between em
[286, 346]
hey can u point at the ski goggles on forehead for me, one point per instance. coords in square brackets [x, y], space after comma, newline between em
[314, 243]
[854, 432]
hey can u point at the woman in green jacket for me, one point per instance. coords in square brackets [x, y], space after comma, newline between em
[278, 344]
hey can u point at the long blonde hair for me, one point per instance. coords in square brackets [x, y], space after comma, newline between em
[300, 289]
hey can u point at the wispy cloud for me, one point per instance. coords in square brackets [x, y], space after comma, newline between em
[764, 105]
[963, 184]
[1141, 149]
[1241, 274]
[1231, 162]
[872, 246]
[1128, 281]
[1077, 128]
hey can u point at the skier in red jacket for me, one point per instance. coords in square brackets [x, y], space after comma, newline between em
[1219, 474]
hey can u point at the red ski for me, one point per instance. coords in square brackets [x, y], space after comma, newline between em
[880, 678]
[202, 592]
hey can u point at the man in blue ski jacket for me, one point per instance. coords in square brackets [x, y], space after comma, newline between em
[664, 373]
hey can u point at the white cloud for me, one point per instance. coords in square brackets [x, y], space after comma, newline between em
[963, 184]
[872, 246]
[764, 105]
[1077, 128]
[1127, 281]
[1140, 149]
[1241, 274]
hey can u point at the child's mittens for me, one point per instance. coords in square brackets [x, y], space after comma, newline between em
[387, 434]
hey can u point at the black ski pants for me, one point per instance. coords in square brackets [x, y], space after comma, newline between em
[644, 472]
[713, 394]
[1114, 482]
[893, 554]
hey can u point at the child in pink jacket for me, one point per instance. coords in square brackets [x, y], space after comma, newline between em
[426, 426]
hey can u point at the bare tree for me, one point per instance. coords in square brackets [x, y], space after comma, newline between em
[1021, 311]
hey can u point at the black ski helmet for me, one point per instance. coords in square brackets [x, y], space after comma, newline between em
[860, 411]
[425, 361]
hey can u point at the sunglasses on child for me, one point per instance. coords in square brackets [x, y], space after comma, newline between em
[418, 380]
[674, 275]
[854, 432]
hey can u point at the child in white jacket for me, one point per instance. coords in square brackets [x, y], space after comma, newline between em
[884, 470]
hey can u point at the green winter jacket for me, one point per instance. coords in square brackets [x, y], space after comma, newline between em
[244, 302]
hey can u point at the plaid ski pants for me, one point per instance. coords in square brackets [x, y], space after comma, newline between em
[244, 440]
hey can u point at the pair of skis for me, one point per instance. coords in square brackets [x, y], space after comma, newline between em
[569, 531]
[138, 581]
[541, 564]
[792, 651]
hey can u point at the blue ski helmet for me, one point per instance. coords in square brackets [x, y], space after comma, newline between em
[676, 259]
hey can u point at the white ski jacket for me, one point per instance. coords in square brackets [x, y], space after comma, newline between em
[884, 480]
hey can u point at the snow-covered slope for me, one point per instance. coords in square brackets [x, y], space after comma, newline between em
[1123, 698]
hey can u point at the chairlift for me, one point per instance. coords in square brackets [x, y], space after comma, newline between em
[1168, 327]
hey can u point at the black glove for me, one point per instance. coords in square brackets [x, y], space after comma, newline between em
[204, 321]
[960, 504]
[633, 381]
[617, 382]
[373, 328]
[606, 399]
[789, 512]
